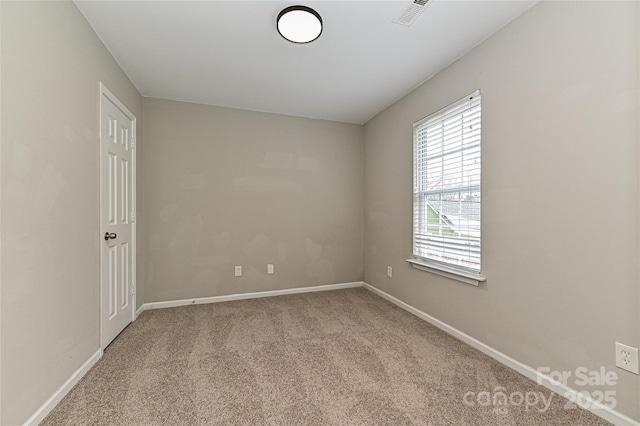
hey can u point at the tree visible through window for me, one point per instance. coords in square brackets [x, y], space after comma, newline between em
[446, 188]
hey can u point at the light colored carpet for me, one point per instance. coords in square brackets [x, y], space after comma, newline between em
[342, 357]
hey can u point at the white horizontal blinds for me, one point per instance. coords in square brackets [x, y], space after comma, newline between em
[446, 209]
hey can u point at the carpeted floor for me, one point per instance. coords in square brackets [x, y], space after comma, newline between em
[342, 357]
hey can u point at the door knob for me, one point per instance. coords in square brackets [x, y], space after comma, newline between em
[108, 236]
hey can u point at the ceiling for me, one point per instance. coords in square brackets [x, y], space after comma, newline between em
[229, 53]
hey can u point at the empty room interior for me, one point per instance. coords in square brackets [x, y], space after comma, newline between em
[388, 212]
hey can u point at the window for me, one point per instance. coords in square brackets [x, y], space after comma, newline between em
[446, 187]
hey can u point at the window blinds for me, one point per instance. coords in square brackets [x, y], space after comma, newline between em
[446, 192]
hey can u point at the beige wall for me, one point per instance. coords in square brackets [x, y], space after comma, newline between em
[226, 187]
[560, 191]
[52, 62]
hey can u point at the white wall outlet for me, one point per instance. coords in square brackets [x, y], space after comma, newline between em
[627, 357]
[238, 271]
[270, 268]
[389, 271]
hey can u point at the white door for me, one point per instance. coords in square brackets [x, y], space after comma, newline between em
[117, 198]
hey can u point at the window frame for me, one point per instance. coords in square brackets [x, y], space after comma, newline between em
[452, 270]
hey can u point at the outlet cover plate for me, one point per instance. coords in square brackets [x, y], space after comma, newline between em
[627, 357]
[238, 271]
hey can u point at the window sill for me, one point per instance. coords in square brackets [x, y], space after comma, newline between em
[465, 277]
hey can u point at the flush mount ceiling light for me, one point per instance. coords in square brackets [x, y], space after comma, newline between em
[299, 24]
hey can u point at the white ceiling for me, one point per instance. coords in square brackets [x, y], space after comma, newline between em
[229, 53]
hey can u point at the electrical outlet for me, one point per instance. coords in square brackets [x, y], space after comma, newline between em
[238, 271]
[627, 357]
[389, 271]
[270, 268]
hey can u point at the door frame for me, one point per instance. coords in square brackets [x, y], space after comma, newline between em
[106, 93]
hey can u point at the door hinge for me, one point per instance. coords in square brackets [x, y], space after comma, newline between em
[133, 143]
[133, 216]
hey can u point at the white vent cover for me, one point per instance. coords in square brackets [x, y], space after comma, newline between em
[409, 15]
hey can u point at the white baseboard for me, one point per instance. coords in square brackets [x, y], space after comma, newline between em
[595, 407]
[138, 312]
[54, 399]
[242, 296]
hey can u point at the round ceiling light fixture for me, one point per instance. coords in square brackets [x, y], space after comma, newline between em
[299, 24]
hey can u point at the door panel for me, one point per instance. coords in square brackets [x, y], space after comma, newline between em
[117, 202]
[112, 282]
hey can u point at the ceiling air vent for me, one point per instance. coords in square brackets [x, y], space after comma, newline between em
[409, 15]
